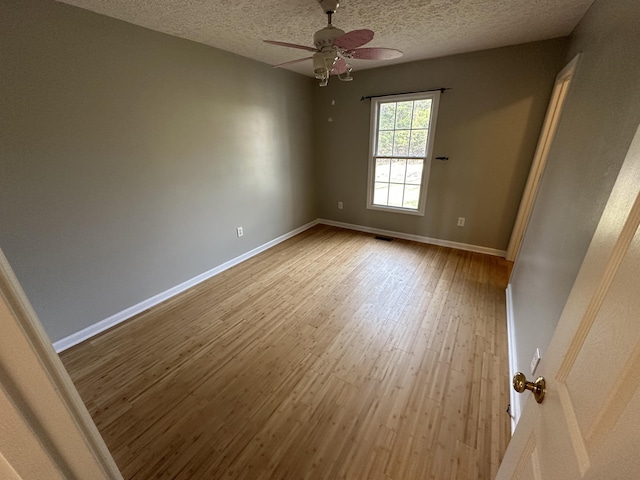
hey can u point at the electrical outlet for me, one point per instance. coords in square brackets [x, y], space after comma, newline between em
[340, 205]
[535, 361]
[461, 221]
[240, 232]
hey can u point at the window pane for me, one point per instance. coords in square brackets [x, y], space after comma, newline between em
[385, 143]
[421, 113]
[418, 143]
[403, 114]
[401, 143]
[381, 193]
[398, 169]
[387, 116]
[382, 169]
[411, 196]
[414, 172]
[395, 195]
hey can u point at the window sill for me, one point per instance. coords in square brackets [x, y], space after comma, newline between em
[405, 211]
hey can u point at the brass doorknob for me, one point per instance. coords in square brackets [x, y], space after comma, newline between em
[520, 384]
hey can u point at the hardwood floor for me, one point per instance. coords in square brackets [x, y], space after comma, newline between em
[332, 355]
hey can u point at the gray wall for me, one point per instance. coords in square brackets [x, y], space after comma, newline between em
[128, 157]
[601, 114]
[488, 126]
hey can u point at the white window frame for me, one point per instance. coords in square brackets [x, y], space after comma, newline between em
[373, 136]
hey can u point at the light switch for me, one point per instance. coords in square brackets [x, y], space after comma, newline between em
[535, 361]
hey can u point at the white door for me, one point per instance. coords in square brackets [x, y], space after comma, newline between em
[588, 426]
[45, 429]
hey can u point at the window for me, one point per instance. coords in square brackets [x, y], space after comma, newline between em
[402, 130]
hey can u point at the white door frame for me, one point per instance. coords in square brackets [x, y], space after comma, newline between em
[558, 97]
[46, 431]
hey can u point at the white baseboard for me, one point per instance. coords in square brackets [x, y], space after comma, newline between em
[130, 312]
[511, 341]
[417, 238]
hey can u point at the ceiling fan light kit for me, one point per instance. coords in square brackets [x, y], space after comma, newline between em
[334, 48]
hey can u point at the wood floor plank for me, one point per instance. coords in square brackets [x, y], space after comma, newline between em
[332, 355]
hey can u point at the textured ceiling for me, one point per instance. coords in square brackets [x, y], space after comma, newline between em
[419, 28]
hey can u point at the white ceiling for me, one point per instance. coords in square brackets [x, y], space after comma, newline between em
[420, 28]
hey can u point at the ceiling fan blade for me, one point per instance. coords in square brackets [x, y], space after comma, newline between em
[292, 62]
[353, 39]
[375, 53]
[339, 67]
[292, 45]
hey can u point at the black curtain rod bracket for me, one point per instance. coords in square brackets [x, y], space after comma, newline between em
[441, 90]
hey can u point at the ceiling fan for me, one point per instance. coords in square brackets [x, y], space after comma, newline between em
[334, 48]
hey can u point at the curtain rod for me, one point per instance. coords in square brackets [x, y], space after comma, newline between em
[369, 97]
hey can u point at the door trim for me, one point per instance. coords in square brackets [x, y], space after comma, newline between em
[547, 134]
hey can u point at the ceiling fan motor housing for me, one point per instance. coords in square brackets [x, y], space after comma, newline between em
[324, 38]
